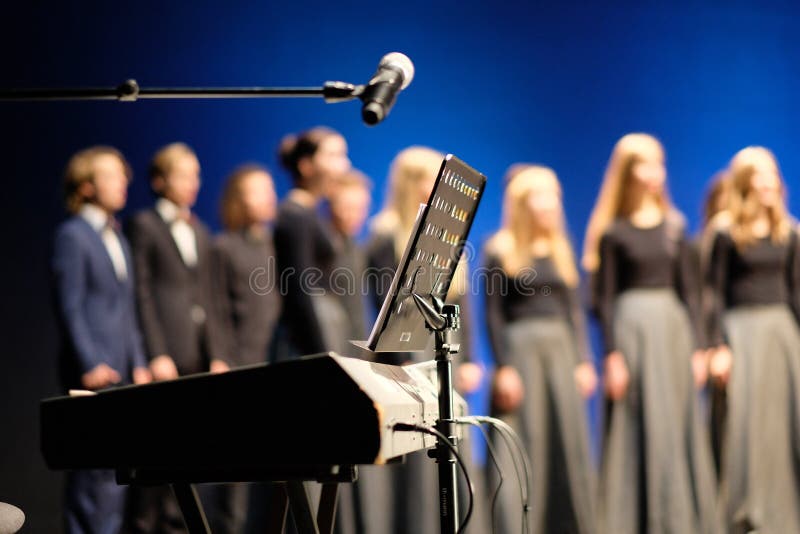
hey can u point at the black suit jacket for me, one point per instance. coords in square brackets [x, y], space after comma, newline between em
[175, 300]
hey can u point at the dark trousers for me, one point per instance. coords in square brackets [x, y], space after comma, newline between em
[154, 510]
[94, 503]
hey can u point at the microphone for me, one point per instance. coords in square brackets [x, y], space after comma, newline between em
[395, 72]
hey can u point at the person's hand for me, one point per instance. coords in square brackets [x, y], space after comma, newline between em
[468, 377]
[700, 360]
[508, 390]
[99, 377]
[142, 375]
[219, 366]
[586, 379]
[616, 375]
[720, 365]
[163, 368]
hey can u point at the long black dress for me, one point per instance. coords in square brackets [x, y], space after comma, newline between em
[657, 473]
[536, 325]
[757, 292]
[249, 303]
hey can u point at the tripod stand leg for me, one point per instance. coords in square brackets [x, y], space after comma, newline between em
[326, 514]
[304, 518]
[278, 509]
[191, 508]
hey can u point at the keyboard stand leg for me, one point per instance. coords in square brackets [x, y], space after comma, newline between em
[326, 515]
[278, 509]
[191, 508]
[301, 508]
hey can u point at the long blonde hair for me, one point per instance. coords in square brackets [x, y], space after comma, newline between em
[409, 169]
[512, 243]
[614, 199]
[744, 204]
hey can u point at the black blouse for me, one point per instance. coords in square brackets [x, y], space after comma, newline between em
[759, 274]
[646, 258]
[305, 255]
[249, 295]
[538, 292]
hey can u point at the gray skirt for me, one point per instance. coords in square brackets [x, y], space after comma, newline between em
[657, 473]
[760, 487]
[551, 422]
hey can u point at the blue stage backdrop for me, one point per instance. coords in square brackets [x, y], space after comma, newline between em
[497, 82]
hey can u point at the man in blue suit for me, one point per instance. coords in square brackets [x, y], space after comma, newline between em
[102, 347]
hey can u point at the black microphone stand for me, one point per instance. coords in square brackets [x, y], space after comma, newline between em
[129, 91]
[443, 319]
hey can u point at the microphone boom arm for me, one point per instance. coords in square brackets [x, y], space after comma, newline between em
[129, 91]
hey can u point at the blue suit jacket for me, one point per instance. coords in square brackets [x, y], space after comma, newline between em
[96, 310]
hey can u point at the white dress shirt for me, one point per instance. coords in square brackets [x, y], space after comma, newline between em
[99, 220]
[182, 232]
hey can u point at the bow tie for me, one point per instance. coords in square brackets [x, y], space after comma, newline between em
[184, 215]
[112, 224]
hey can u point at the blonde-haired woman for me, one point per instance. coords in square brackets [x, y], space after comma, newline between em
[755, 274]
[414, 508]
[656, 473]
[544, 370]
[412, 175]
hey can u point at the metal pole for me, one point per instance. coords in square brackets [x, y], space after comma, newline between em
[448, 488]
[129, 91]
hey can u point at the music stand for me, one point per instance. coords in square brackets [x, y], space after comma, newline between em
[414, 306]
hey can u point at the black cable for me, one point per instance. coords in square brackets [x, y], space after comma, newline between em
[508, 433]
[506, 429]
[525, 489]
[407, 427]
[502, 425]
[512, 449]
[493, 456]
[517, 456]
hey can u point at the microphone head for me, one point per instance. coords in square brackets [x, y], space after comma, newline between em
[401, 62]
